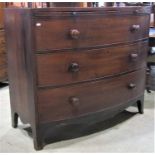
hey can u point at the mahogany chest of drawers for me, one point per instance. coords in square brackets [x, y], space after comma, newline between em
[75, 65]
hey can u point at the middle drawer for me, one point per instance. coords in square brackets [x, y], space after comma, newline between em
[62, 68]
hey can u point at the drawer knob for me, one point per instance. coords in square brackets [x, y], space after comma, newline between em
[74, 33]
[74, 101]
[134, 56]
[73, 67]
[131, 85]
[135, 28]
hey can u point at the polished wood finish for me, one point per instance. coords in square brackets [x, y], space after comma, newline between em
[19, 84]
[2, 37]
[81, 31]
[3, 59]
[3, 73]
[2, 49]
[54, 104]
[54, 69]
[2, 6]
[74, 65]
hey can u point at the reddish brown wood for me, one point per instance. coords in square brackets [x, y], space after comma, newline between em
[21, 69]
[95, 31]
[54, 104]
[2, 49]
[3, 73]
[2, 6]
[55, 68]
[3, 61]
[17, 65]
[101, 72]
[134, 10]
[2, 38]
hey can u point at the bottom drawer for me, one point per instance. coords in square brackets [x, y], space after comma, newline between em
[3, 73]
[81, 99]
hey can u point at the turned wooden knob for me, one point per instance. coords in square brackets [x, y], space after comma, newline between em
[135, 28]
[134, 56]
[74, 101]
[131, 85]
[73, 67]
[74, 33]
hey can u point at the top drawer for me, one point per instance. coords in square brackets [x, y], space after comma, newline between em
[88, 30]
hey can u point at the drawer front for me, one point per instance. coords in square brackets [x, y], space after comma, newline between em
[88, 31]
[3, 73]
[73, 101]
[2, 59]
[76, 66]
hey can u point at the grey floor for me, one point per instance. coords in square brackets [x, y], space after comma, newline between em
[127, 132]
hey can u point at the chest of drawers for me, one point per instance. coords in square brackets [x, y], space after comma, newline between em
[74, 65]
